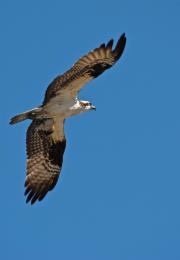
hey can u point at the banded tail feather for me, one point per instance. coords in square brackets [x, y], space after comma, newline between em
[25, 115]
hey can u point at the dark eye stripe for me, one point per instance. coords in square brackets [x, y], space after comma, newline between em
[85, 104]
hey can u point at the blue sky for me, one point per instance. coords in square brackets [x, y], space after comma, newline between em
[118, 195]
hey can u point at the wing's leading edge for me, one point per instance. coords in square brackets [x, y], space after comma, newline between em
[85, 69]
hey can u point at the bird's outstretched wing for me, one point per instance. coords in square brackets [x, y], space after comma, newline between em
[45, 144]
[85, 69]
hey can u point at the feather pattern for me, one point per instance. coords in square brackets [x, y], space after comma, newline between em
[44, 159]
[45, 140]
[85, 69]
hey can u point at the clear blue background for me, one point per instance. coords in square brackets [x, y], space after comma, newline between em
[118, 196]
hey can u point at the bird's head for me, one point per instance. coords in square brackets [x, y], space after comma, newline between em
[86, 106]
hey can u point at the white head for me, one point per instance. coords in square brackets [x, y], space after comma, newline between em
[80, 107]
[86, 106]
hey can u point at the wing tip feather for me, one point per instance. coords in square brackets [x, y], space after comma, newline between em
[119, 48]
[110, 44]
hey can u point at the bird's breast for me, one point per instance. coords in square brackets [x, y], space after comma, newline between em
[61, 110]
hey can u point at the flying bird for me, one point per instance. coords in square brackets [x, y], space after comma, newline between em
[45, 138]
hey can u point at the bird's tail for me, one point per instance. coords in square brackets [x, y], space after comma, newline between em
[26, 115]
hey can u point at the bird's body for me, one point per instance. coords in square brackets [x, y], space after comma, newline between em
[45, 140]
[62, 110]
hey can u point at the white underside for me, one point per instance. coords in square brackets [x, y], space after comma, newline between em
[57, 113]
[62, 110]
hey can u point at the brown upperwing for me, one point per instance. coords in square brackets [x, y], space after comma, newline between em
[86, 68]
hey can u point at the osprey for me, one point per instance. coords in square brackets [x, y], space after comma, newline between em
[45, 139]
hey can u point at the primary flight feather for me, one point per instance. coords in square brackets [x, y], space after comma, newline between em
[45, 139]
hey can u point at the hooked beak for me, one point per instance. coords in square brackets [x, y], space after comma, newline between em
[93, 107]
